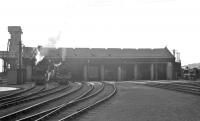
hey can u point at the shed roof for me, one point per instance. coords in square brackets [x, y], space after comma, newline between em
[107, 53]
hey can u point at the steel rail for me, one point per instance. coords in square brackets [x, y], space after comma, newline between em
[33, 97]
[24, 95]
[75, 102]
[28, 94]
[179, 88]
[12, 115]
[97, 86]
[21, 91]
[194, 83]
[182, 85]
[185, 85]
[18, 99]
[45, 112]
[78, 112]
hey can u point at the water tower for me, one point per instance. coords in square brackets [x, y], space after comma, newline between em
[14, 46]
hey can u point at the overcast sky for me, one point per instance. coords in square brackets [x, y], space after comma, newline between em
[106, 24]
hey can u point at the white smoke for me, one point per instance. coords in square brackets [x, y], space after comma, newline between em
[39, 55]
[40, 52]
[53, 41]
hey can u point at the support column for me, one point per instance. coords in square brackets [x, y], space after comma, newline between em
[135, 71]
[5, 66]
[123, 77]
[119, 77]
[85, 72]
[28, 72]
[169, 73]
[156, 71]
[102, 72]
[152, 71]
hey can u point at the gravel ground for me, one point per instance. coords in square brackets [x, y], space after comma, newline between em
[140, 103]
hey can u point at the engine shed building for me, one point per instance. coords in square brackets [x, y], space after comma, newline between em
[101, 64]
[97, 64]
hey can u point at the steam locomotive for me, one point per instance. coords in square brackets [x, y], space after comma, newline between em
[41, 72]
[45, 71]
[43, 68]
[191, 73]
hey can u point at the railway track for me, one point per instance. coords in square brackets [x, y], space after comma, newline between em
[40, 104]
[34, 91]
[191, 88]
[194, 83]
[31, 92]
[85, 89]
[23, 99]
[95, 89]
[77, 107]
[73, 102]
[18, 92]
[97, 86]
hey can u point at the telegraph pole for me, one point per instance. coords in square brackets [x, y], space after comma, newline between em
[20, 62]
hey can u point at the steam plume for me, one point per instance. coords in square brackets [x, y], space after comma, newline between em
[52, 41]
[39, 54]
